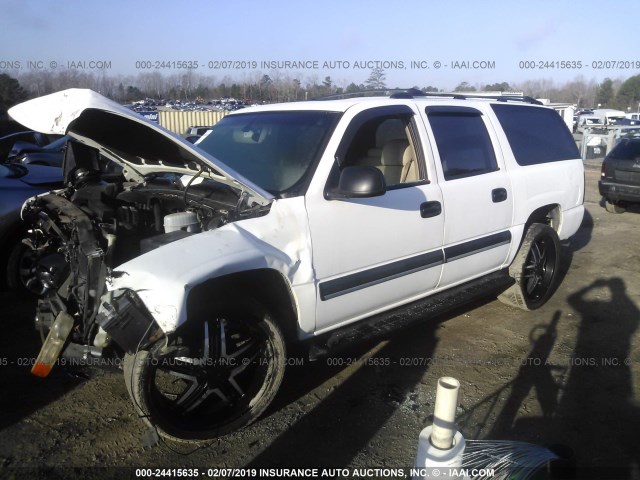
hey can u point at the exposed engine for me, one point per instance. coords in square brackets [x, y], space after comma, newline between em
[101, 221]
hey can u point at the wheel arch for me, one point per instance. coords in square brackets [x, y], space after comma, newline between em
[267, 286]
[548, 215]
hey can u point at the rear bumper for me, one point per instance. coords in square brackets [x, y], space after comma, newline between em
[617, 192]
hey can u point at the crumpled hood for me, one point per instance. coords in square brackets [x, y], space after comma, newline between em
[127, 138]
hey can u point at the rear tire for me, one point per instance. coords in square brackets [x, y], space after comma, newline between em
[217, 377]
[534, 269]
[613, 207]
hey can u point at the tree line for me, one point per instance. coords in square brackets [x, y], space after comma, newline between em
[284, 87]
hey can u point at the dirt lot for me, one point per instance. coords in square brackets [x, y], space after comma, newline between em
[568, 373]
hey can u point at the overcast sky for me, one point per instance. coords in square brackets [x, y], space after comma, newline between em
[497, 35]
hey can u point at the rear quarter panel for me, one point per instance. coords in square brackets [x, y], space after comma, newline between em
[535, 186]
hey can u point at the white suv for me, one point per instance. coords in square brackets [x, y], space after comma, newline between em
[289, 223]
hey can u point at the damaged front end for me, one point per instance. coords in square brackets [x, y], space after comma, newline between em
[98, 222]
[130, 187]
[151, 232]
[124, 317]
[78, 312]
[71, 304]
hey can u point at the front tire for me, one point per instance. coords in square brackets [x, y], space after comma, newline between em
[31, 273]
[216, 377]
[534, 269]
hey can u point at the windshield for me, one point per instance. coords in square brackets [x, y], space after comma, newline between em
[275, 150]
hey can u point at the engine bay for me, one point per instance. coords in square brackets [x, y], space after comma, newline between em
[102, 219]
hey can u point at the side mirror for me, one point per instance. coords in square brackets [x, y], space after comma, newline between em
[358, 182]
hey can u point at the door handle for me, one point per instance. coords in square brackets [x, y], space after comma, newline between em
[498, 195]
[430, 209]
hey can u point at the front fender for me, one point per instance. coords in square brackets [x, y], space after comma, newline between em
[163, 277]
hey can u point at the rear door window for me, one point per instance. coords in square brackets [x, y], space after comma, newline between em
[463, 142]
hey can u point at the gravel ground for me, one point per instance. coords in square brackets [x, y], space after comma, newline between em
[568, 373]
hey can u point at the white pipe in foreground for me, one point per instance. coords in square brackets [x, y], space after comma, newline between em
[440, 445]
[444, 416]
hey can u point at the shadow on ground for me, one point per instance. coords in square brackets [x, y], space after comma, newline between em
[344, 423]
[593, 410]
[22, 393]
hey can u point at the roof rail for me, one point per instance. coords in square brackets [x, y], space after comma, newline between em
[376, 92]
[501, 98]
[414, 92]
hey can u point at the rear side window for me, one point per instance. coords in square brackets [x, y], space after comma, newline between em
[463, 142]
[536, 135]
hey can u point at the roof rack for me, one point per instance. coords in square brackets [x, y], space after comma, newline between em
[501, 98]
[414, 92]
[376, 92]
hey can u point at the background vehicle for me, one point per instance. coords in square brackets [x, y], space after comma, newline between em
[25, 270]
[619, 182]
[197, 130]
[609, 116]
[313, 223]
[15, 143]
[50, 155]
[193, 134]
[588, 121]
[628, 121]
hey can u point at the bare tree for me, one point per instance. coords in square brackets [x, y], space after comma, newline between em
[376, 79]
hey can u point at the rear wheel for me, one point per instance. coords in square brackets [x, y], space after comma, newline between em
[216, 377]
[613, 207]
[535, 269]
